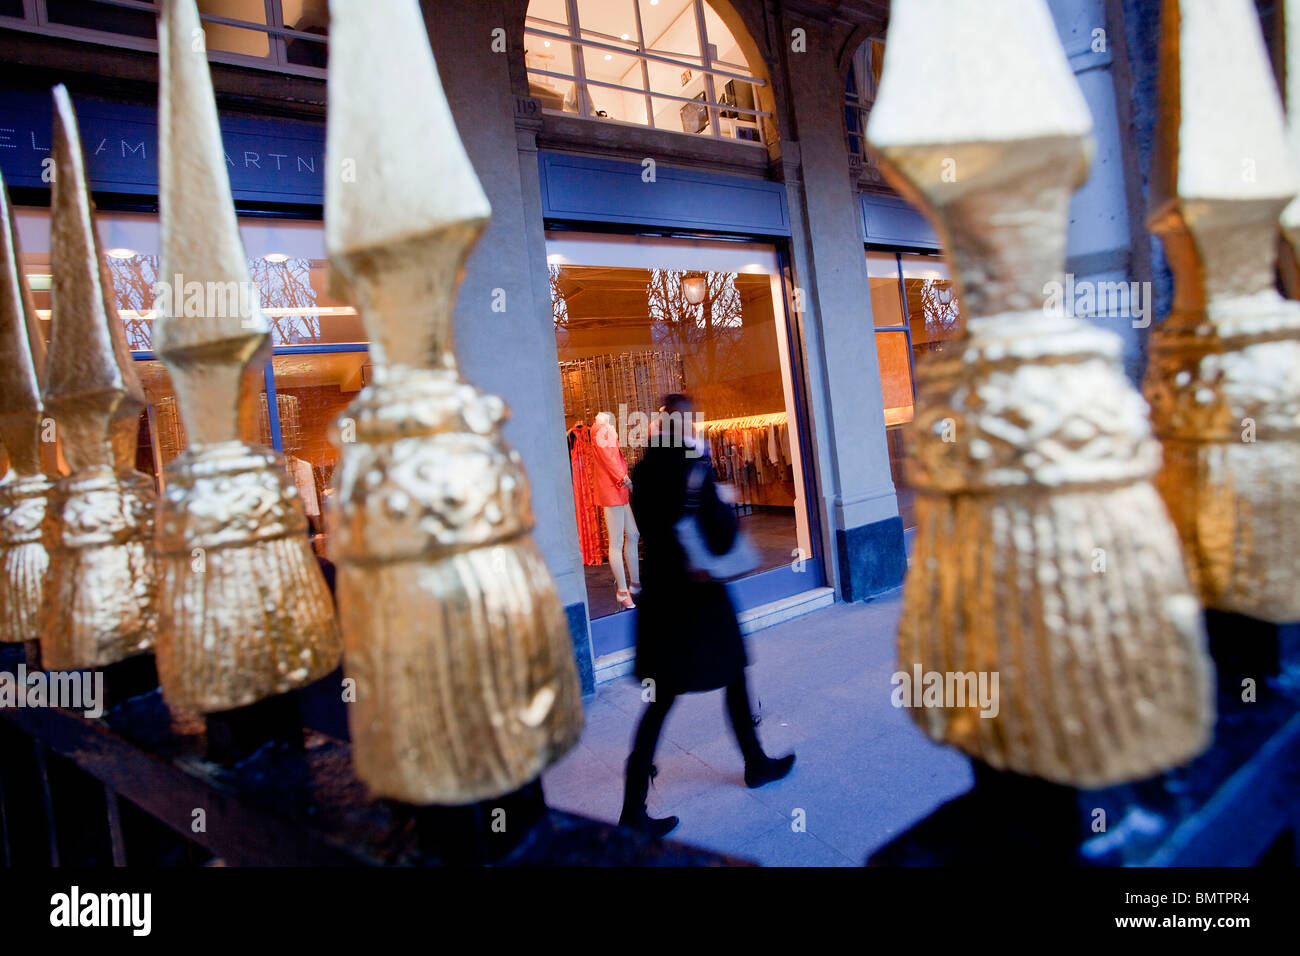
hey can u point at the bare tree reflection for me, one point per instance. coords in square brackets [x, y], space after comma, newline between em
[935, 302]
[559, 299]
[281, 285]
[133, 286]
[625, 309]
[287, 285]
[708, 336]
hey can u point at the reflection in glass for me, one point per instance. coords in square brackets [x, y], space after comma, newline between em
[925, 321]
[932, 307]
[628, 336]
[134, 280]
[291, 290]
[886, 297]
[895, 376]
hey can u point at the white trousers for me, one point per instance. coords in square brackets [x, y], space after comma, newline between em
[623, 539]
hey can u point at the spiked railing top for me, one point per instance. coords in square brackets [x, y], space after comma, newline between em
[22, 352]
[90, 381]
[403, 206]
[1005, 128]
[1222, 172]
[1291, 90]
[213, 352]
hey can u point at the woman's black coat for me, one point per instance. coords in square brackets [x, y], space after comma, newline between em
[687, 636]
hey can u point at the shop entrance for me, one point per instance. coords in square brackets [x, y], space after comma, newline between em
[637, 318]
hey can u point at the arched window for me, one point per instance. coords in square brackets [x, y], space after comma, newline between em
[666, 64]
[860, 88]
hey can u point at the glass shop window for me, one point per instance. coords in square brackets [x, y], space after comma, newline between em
[284, 35]
[311, 392]
[667, 64]
[637, 319]
[287, 265]
[915, 310]
[320, 360]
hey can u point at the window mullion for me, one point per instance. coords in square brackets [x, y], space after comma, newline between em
[710, 93]
[645, 65]
[273, 408]
[577, 54]
[907, 323]
[274, 17]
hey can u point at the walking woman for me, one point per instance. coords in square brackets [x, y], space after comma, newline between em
[687, 637]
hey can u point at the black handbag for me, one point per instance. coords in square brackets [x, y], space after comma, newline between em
[741, 558]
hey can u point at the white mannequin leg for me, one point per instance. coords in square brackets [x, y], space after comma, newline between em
[633, 536]
[614, 522]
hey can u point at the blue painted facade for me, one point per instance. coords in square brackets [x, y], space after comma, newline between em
[891, 222]
[269, 160]
[591, 190]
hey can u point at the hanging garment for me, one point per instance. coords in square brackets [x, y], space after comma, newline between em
[610, 468]
[301, 473]
[586, 511]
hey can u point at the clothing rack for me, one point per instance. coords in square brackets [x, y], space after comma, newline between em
[744, 421]
[754, 454]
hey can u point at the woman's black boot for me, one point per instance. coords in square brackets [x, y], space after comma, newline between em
[635, 790]
[764, 769]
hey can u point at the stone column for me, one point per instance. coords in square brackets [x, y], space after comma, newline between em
[859, 509]
[504, 328]
[1106, 270]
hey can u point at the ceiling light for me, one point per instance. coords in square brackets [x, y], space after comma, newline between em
[694, 287]
[623, 36]
[120, 253]
[609, 56]
[546, 43]
[275, 257]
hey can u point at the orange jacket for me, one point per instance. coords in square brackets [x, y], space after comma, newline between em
[611, 467]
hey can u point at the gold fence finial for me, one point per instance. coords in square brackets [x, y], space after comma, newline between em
[989, 119]
[466, 686]
[1043, 558]
[244, 612]
[1222, 378]
[25, 490]
[1290, 252]
[98, 603]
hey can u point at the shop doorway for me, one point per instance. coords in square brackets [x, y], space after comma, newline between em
[637, 318]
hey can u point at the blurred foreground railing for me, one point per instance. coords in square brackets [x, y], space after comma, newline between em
[145, 786]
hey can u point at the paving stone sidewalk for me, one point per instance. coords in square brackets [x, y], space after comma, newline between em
[821, 685]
